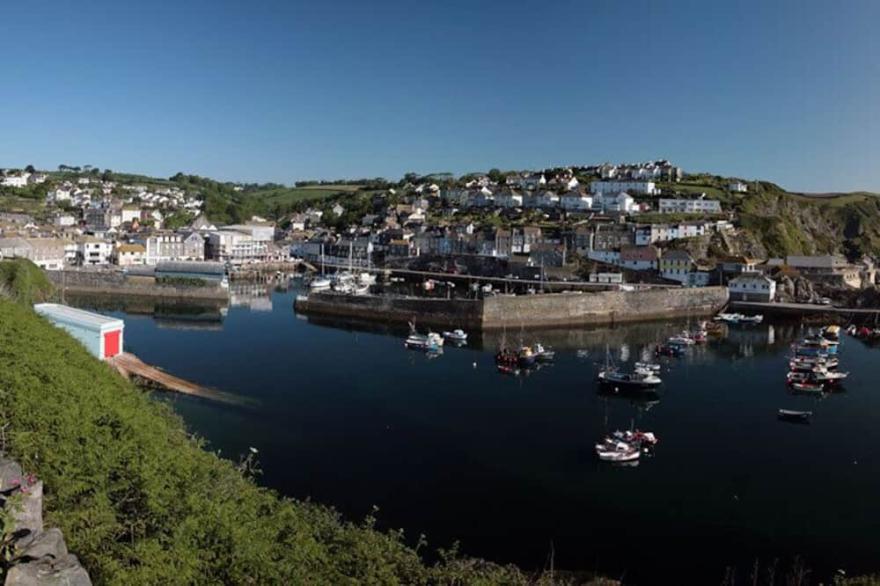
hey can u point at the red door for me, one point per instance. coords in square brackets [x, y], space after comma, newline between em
[111, 344]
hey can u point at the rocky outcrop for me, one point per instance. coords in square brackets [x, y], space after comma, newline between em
[33, 556]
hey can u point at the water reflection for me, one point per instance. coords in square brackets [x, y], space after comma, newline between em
[451, 448]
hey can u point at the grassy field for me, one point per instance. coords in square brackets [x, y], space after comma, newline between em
[289, 195]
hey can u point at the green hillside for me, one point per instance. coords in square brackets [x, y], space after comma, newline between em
[142, 502]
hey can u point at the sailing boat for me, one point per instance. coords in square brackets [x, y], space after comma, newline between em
[639, 379]
[321, 283]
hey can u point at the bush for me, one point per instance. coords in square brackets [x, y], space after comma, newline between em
[24, 282]
[141, 502]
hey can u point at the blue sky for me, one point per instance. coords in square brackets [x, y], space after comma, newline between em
[279, 91]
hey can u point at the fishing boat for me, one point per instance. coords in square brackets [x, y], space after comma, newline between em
[796, 416]
[639, 439]
[457, 335]
[808, 387]
[429, 341]
[647, 367]
[543, 354]
[526, 357]
[636, 380]
[617, 452]
[801, 364]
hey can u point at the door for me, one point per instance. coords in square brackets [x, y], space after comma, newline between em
[111, 344]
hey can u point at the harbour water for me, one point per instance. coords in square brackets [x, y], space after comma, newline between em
[450, 448]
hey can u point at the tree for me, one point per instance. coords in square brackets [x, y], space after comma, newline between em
[107, 175]
[495, 175]
[30, 169]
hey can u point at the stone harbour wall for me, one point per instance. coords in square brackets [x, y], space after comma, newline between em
[605, 307]
[35, 556]
[549, 310]
[455, 313]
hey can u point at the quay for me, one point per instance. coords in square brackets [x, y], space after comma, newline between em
[802, 309]
[130, 366]
[540, 310]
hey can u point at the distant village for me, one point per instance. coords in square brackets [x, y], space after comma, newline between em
[602, 223]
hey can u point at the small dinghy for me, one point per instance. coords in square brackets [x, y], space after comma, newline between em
[795, 416]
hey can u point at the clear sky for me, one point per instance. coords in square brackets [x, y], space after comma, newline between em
[279, 91]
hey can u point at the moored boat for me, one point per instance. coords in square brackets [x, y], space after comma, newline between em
[611, 451]
[543, 354]
[796, 416]
[457, 335]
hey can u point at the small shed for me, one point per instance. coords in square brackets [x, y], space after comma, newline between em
[101, 335]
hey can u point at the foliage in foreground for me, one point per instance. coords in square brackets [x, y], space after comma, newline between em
[24, 282]
[142, 503]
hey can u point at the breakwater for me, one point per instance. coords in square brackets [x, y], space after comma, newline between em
[119, 283]
[549, 310]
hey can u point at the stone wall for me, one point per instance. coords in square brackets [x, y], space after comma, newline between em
[574, 309]
[35, 556]
[456, 313]
[118, 283]
[546, 310]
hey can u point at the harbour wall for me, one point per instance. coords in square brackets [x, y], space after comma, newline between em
[119, 283]
[604, 307]
[453, 313]
[554, 310]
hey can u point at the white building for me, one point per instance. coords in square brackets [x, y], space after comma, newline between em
[615, 202]
[643, 187]
[575, 202]
[508, 200]
[738, 187]
[127, 255]
[752, 287]
[690, 206]
[93, 251]
[16, 180]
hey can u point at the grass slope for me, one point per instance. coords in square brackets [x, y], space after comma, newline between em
[141, 502]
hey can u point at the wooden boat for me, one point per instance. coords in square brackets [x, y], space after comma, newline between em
[797, 416]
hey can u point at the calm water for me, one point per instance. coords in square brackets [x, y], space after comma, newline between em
[450, 448]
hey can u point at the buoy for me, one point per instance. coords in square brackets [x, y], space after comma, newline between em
[475, 364]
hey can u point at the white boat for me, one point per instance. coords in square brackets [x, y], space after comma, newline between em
[683, 339]
[629, 380]
[359, 289]
[320, 284]
[367, 278]
[429, 341]
[544, 354]
[731, 318]
[611, 451]
[649, 367]
[456, 335]
[751, 319]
